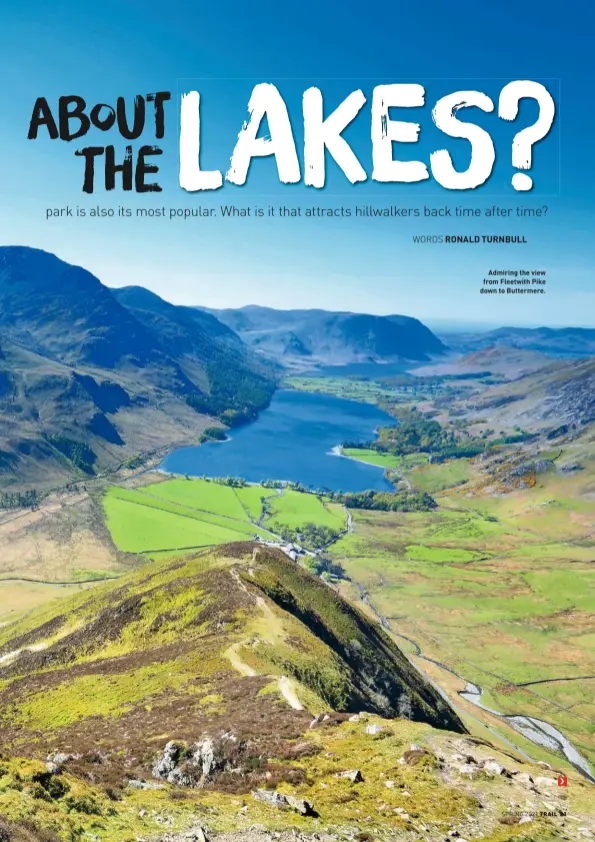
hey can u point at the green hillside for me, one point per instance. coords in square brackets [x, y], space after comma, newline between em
[165, 699]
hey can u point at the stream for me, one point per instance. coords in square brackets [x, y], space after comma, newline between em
[536, 730]
[539, 732]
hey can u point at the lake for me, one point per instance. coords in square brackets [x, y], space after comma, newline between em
[292, 440]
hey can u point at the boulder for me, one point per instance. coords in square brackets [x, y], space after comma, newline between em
[545, 782]
[204, 756]
[493, 768]
[322, 717]
[59, 758]
[195, 834]
[469, 769]
[53, 768]
[135, 784]
[284, 802]
[524, 778]
[300, 805]
[374, 729]
[353, 775]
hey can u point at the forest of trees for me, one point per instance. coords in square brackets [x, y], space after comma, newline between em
[236, 396]
[387, 501]
[80, 454]
[416, 433]
[311, 536]
[19, 499]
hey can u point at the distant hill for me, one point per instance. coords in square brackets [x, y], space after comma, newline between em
[557, 395]
[308, 337]
[556, 342]
[90, 377]
[510, 363]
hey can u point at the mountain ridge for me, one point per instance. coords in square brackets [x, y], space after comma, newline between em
[330, 337]
[557, 342]
[235, 690]
[68, 344]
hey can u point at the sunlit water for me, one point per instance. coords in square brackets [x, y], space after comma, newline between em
[293, 440]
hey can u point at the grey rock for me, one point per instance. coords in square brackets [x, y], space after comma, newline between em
[204, 755]
[469, 769]
[195, 834]
[353, 775]
[300, 805]
[59, 757]
[374, 729]
[493, 768]
[135, 784]
[168, 761]
[546, 781]
[191, 766]
[280, 801]
[53, 768]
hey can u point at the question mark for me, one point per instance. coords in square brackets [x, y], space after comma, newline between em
[508, 108]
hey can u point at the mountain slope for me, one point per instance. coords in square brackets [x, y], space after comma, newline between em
[233, 377]
[510, 363]
[63, 312]
[561, 393]
[88, 381]
[320, 336]
[556, 342]
[234, 690]
[246, 609]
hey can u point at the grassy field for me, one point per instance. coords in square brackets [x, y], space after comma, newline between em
[372, 457]
[438, 477]
[387, 460]
[177, 515]
[19, 597]
[294, 509]
[367, 391]
[500, 589]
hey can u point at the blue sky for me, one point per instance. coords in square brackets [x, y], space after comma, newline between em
[222, 50]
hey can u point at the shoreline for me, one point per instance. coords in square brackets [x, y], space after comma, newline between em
[337, 450]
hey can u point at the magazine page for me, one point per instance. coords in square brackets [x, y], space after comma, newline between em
[297, 422]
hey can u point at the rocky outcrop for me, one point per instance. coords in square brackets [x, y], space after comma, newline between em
[192, 765]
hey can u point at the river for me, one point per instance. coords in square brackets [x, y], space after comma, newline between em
[536, 730]
[539, 732]
[293, 440]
